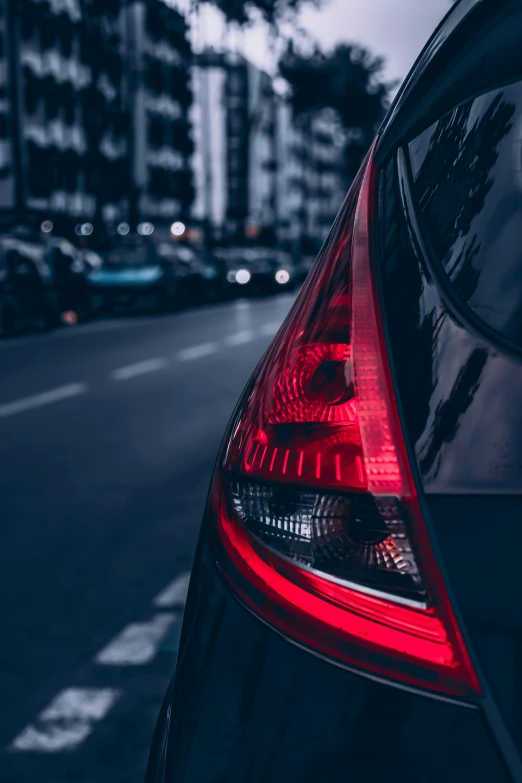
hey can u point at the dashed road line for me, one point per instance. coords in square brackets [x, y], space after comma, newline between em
[139, 368]
[73, 714]
[175, 594]
[67, 721]
[44, 398]
[239, 338]
[197, 351]
[138, 643]
[270, 329]
[131, 371]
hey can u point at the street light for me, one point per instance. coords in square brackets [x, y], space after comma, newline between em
[243, 276]
[282, 276]
[123, 229]
[178, 228]
[84, 229]
[146, 229]
[47, 226]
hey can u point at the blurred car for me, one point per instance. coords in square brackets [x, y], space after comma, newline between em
[354, 607]
[285, 273]
[257, 270]
[91, 260]
[27, 293]
[132, 275]
[303, 267]
[70, 268]
[197, 274]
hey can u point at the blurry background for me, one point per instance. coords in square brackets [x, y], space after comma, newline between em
[168, 173]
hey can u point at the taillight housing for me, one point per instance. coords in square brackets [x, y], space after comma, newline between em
[317, 524]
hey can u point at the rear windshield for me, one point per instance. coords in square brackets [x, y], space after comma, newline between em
[467, 183]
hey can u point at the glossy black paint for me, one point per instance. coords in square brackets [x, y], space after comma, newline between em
[459, 398]
[467, 187]
[459, 393]
[250, 706]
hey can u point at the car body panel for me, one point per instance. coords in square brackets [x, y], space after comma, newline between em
[459, 398]
[121, 278]
[247, 705]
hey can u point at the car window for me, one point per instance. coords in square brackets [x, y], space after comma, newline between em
[467, 184]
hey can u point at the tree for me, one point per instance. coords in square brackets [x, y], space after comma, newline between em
[349, 80]
[273, 11]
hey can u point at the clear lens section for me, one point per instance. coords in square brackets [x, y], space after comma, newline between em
[352, 538]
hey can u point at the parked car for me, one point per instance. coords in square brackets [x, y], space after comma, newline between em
[285, 272]
[257, 270]
[197, 274]
[70, 269]
[354, 608]
[91, 260]
[27, 293]
[303, 267]
[132, 275]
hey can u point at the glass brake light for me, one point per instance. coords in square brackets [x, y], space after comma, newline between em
[319, 529]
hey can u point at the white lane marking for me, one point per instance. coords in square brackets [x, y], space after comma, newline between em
[44, 398]
[138, 643]
[197, 351]
[270, 329]
[240, 338]
[140, 368]
[67, 721]
[175, 594]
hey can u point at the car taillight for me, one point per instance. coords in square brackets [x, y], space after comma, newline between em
[319, 528]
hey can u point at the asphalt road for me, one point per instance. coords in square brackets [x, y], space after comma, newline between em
[108, 433]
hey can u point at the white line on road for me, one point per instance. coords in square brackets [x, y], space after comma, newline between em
[270, 329]
[197, 351]
[67, 721]
[175, 593]
[240, 338]
[44, 398]
[140, 368]
[138, 643]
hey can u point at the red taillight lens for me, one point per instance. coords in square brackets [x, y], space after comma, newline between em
[319, 526]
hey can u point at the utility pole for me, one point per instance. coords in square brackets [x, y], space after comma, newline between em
[132, 69]
[13, 9]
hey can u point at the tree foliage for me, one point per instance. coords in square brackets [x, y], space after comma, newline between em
[347, 80]
[273, 11]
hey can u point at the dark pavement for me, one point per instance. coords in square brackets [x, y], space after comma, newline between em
[108, 434]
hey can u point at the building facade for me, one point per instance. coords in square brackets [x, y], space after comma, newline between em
[261, 174]
[211, 157]
[159, 74]
[63, 124]
[94, 104]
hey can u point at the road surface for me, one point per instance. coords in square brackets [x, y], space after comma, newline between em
[108, 434]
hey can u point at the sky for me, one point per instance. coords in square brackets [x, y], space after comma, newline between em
[395, 29]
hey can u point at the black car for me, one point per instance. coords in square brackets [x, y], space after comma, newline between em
[354, 612]
[257, 270]
[303, 267]
[197, 273]
[28, 295]
[70, 271]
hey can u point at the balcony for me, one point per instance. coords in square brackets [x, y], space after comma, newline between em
[51, 63]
